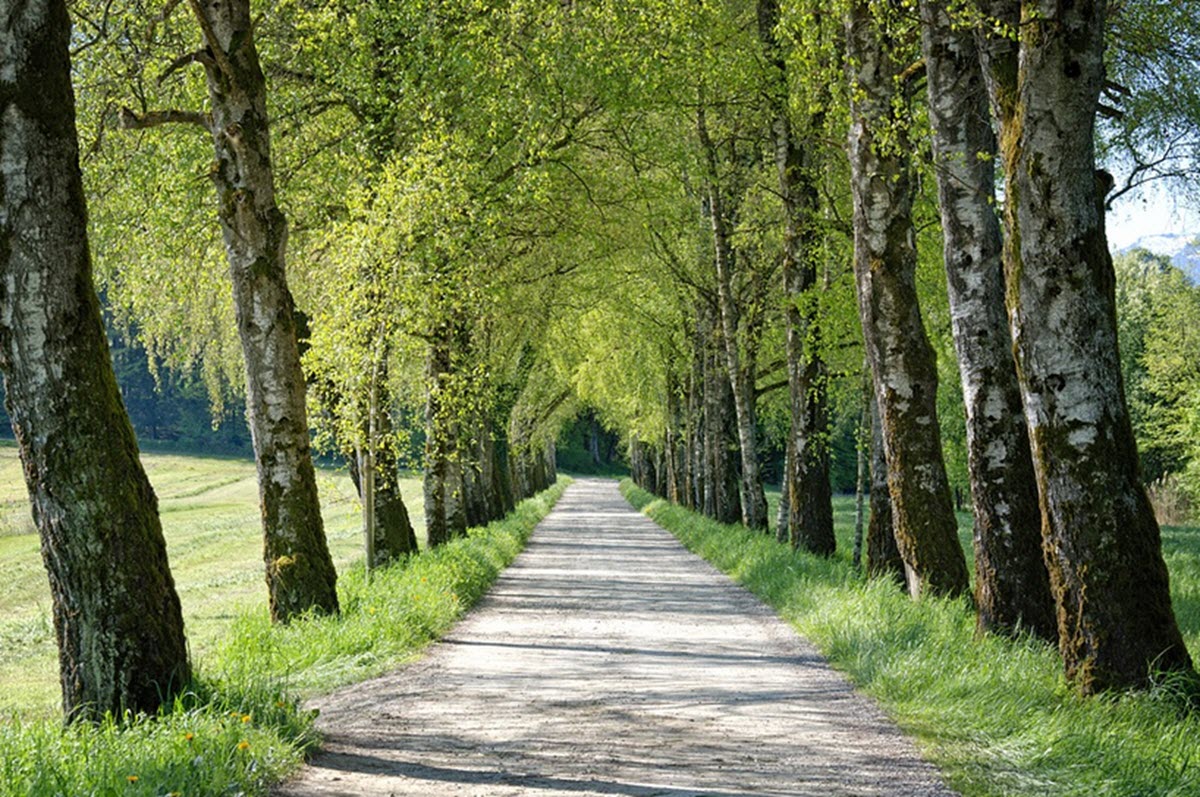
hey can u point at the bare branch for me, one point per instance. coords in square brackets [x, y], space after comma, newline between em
[761, 391]
[128, 120]
[198, 57]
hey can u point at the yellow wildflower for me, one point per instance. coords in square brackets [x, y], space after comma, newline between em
[243, 745]
[245, 718]
[132, 778]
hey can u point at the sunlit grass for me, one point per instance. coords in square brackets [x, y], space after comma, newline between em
[241, 727]
[211, 521]
[995, 714]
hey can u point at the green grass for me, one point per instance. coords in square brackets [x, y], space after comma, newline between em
[995, 714]
[241, 727]
[210, 516]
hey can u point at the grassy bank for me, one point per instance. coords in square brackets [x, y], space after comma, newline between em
[995, 714]
[242, 727]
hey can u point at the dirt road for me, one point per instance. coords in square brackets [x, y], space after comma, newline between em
[610, 661]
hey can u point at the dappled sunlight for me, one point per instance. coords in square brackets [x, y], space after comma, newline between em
[610, 661]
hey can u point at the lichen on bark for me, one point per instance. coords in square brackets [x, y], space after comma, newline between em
[255, 236]
[117, 617]
[1115, 622]
[898, 350]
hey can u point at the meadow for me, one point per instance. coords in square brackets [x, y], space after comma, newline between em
[995, 714]
[210, 517]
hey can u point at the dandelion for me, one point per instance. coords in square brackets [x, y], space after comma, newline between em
[371, 610]
[189, 736]
[245, 718]
[132, 778]
[280, 704]
[243, 745]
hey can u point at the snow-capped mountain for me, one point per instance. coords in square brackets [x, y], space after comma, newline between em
[1184, 251]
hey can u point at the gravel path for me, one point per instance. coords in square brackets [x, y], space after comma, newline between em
[607, 660]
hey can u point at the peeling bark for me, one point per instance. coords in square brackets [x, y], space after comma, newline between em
[300, 573]
[117, 617]
[901, 358]
[1012, 587]
[1103, 548]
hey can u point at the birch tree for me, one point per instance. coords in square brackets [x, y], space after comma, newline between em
[1012, 588]
[117, 617]
[885, 258]
[1116, 626]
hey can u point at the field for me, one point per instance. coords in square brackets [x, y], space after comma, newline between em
[209, 509]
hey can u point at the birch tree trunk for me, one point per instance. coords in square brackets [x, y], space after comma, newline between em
[1115, 621]
[883, 556]
[807, 493]
[438, 445]
[721, 486]
[697, 423]
[394, 537]
[1012, 587]
[117, 618]
[300, 574]
[753, 499]
[901, 358]
[782, 531]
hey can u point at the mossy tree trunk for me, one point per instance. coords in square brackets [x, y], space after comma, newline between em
[1012, 587]
[1103, 548]
[300, 573]
[807, 495]
[117, 617]
[394, 534]
[901, 358]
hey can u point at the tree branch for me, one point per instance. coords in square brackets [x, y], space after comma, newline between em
[128, 120]
[759, 392]
[210, 36]
[198, 57]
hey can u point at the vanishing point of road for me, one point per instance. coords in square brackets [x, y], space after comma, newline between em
[608, 660]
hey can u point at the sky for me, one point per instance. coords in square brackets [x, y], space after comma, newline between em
[1156, 212]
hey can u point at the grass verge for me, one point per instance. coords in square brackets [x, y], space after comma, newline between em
[995, 714]
[242, 727]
